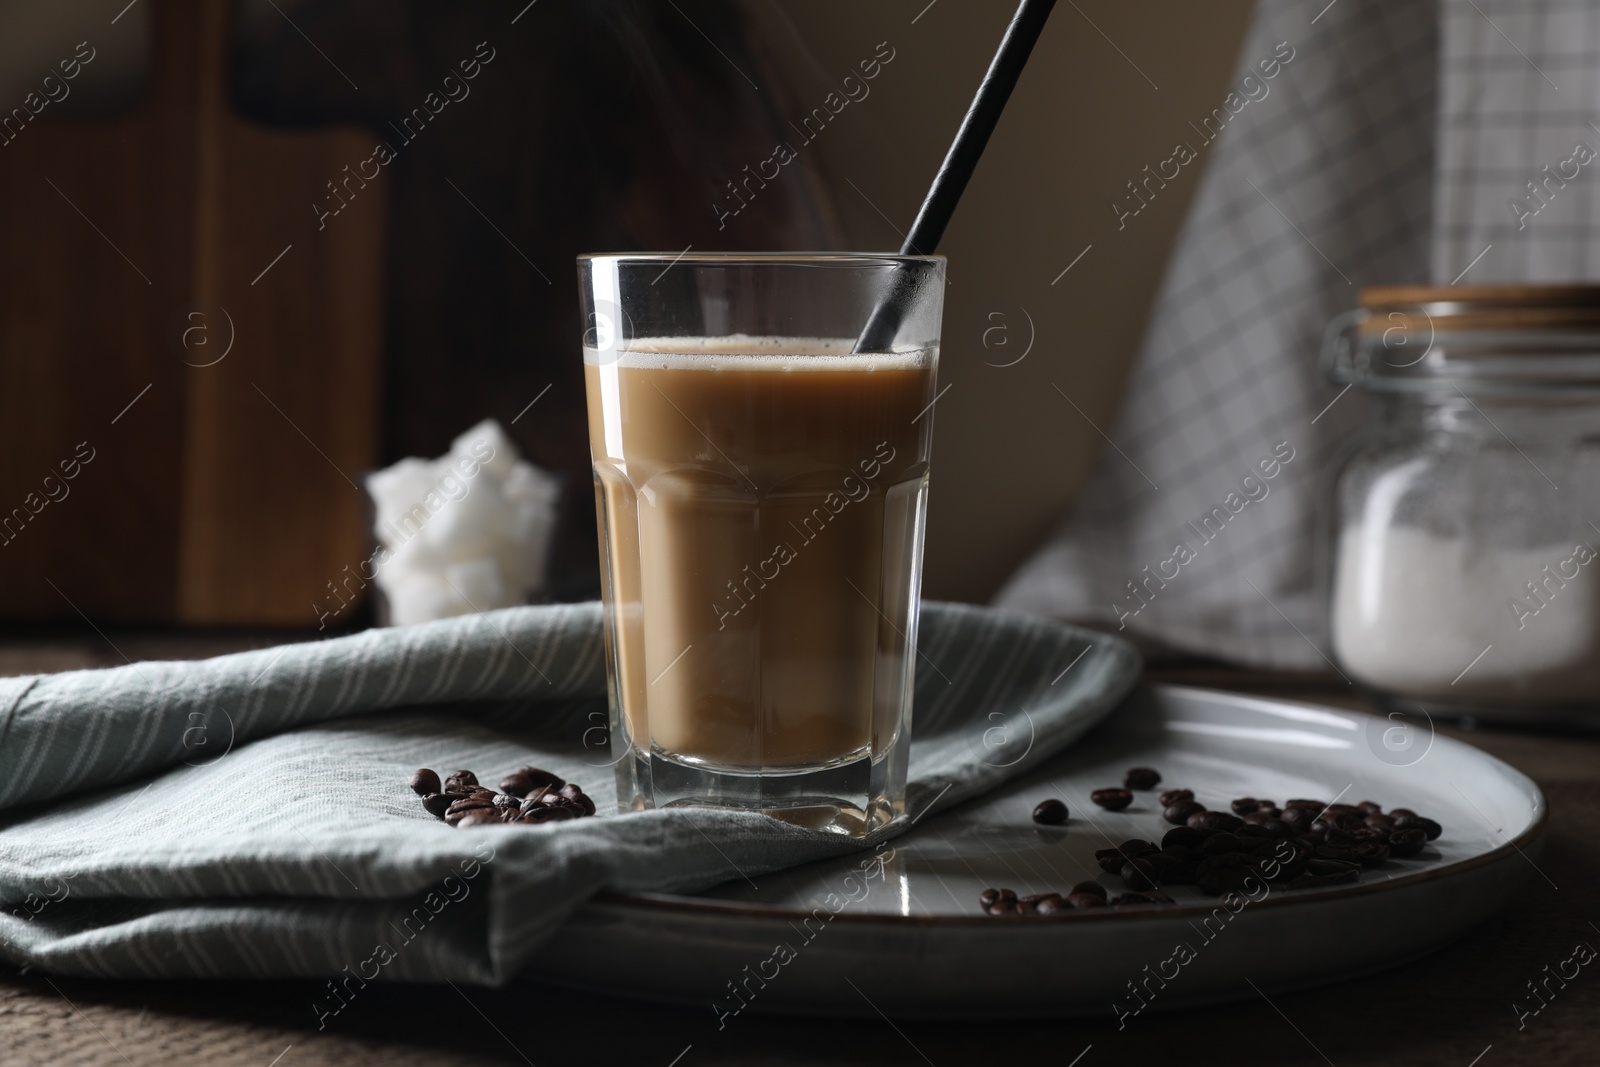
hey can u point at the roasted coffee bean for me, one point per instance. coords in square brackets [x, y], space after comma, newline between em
[1181, 852]
[1141, 778]
[1245, 805]
[1429, 827]
[1297, 819]
[1315, 881]
[570, 797]
[1110, 859]
[480, 817]
[1267, 848]
[1379, 821]
[1184, 872]
[1403, 843]
[1181, 812]
[516, 784]
[988, 896]
[1003, 907]
[1187, 836]
[1334, 852]
[1139, 874]
[1253, 832]
[545, 813]
[1234, 860]
[1008, 895]
[1332, 867]
[1271, 823]
[557, 802]
[1160, 861]
[1112, 799]
[1292, 846]
[1347, 809]
[1087, 900]
[1172, 796]
[538, 798]
[1053, 904]
[1221, 842]
[1222, 880]
[1287, 872]
[1027, 906]
[1214, 820]
[1371, 854]
[1397, 812]
[460, 810]
[1314, 805]
[425, 782]
[460, 780]
[1284, 853]
[1137, 846]
[506, 800]
[1050, 812]
[1089, 887]
[438, 803]
[1148, 896]
[525, 779]
[1370, 808]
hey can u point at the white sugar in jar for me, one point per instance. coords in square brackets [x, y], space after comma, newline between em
[1466, 543]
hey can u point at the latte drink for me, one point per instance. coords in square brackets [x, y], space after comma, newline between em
[761, 488]
[761, 501]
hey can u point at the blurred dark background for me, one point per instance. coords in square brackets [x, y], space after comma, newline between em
[255, 249]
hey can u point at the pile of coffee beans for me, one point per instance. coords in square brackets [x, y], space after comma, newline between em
[526, 795]
[1302, 844]
[1080, 897]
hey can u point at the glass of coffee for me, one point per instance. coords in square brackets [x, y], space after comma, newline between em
[761, 487]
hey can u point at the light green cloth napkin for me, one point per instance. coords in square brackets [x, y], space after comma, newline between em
[250, 816]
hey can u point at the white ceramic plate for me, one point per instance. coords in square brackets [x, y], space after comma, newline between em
[915, 942]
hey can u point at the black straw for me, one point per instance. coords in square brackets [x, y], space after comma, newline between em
[959, 163]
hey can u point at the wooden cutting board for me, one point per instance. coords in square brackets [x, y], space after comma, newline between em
[170, 310]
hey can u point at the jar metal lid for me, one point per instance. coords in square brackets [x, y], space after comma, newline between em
[1485, 339]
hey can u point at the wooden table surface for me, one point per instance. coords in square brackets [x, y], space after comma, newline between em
[1452, 1009]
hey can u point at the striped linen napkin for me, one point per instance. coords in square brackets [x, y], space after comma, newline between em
[251, 816]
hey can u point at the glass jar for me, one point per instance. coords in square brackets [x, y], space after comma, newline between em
[1465, 552]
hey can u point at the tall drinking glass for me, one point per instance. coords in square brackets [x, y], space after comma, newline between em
[761, 489]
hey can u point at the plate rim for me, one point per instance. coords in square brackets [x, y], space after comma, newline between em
[684, 904]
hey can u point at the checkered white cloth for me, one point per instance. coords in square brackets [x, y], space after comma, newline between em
[1386, 151]
[1321, 187]
[1519, 89]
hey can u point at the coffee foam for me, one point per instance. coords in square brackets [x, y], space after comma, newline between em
[741, 352]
